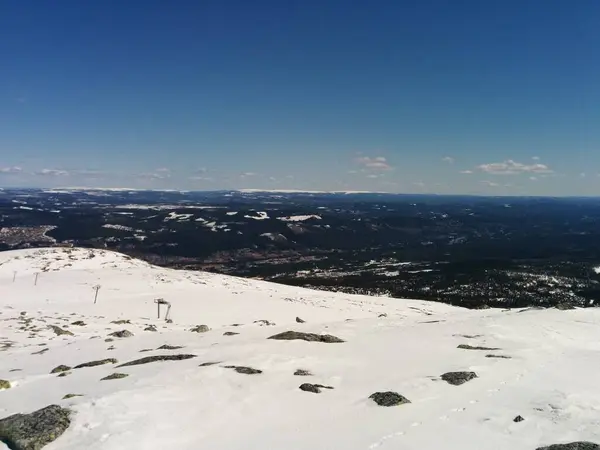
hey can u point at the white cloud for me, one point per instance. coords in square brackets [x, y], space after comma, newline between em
[13, 169]
[374, 163]
[248, 174]
[163, 170]
[533, 178]
[373, 175]
[535, 158]
[582, 175]
[510, 167]
[489, 183]
[52, 173]
[448, 159]
[419, 184]
[200, 178]
[466, 171]
[157, 175]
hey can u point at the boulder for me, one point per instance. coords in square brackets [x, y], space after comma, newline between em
[34, 431]
[99, 362]
[4, 384]
[61, 368]
[458, 378]
[121, 334]
[302, 373]
[310, 337]
[114, 376]
[518, 419]
[150, 359]
[200, 329]
[572, 446]
[315, 388]
[388, 398]
[59, 331]
[299, 320]
[244, 370]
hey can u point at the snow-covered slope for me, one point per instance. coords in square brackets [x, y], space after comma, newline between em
[390, 345]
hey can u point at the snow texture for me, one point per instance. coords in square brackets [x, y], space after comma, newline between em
[550, 379]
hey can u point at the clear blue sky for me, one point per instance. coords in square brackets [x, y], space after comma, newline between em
[465, 96]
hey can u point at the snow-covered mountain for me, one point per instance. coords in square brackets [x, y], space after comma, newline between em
[232, 387]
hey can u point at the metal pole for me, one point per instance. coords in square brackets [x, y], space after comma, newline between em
[36, 277]
[158, 306]
[96, 295]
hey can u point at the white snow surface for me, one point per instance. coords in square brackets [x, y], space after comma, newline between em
[551, 379]
[299, 218]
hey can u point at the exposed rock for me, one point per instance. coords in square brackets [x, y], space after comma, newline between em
[518, 419]
[112, 347]
[264, 322]
[310, 337]
[382, 315]
[316, 388]
[302, 373]
[572, 446]
[150, 359]
[99, 362]
[388, 398]
[299, 320]
[230, 333]
[206, 364]
[169, 321]
[121, 322]
[59, 331]
[42, 351]
[33, 431]
[151, 328]
[122, 334]
[109, 340]
[458, 378]
[115, 376]
[498, 356]
[61, 368]
[564, 306]
[4, 384]
[68, 396]
[244, 370]
[146, 350]
[169, 347]
[79, 323]
[64, 374]
[471, 347]
[200, 329]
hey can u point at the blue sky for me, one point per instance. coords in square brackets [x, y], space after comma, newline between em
[470, 96]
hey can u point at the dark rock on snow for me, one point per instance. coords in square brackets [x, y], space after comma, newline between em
[302, 373]
[200, 329]
[310, 337]
[264, 322]
[33, 431]
[4, 384]
[299, 320]
[151, 328]
[244, 370]
[59, 331]
[114, 376]
[518, 419]
[572, 446]
[230, 333]
[388, 398]
[68, 396]
[169, 347]
[121, 334]
[79, 323]
[99, 362]
[316, 388]
[150, 359]
[206, 364]
[471, 347]
[61, 368]
[458, 378]
[498, 356]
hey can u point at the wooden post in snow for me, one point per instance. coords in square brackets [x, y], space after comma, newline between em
[161, 301]
[36, 277]
[14, 275]
[97, 288]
